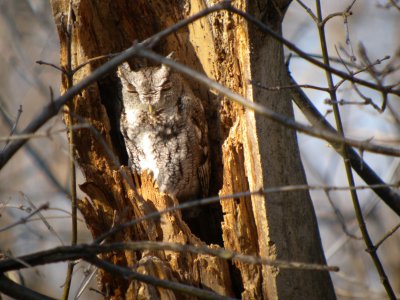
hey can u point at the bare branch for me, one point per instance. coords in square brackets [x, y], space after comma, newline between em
[83, 251]
[263, 110]
[36, 157]
[264, 28]
[53, 107]
[39, 62]
[26, 218]
[206, 201]
[387, 235]
[349, 172]
[71, 141]
[389, 196]
[14, 127]
[46, 134]
[47, 224]
[17, 291]
[283, 87]
[340, 218]
[175, 286]
[308, 10]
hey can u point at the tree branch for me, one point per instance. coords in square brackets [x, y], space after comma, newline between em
[264, 28]
[84, 251]
[17, 291]
[388, 195]
[175, 286]
[263, 110]
[51, 109]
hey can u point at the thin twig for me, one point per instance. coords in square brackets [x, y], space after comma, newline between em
[53, 107]
[85, 281]
[372, 72]
[36, 157]
[308, 10]
[26, 218]
[331, 16]
[265, 111]
[74, 222]
[46, 134]
[40, 62]
[341, 241]
[284, 87]
[360, 69]
[340, 218]
[349, 173]
[14, 127]
[264, 28]
[88, 252]
[171, 285]
[209, 200]
[47, 224]
[386, 236]
[343, 102]
[387, 195]
[347, 29]
[83, 251]
[367, 100]
[335, 60]
[69, 74]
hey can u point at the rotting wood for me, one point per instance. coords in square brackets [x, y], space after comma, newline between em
[246, 153]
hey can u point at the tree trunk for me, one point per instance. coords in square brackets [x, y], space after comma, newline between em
[247, 151]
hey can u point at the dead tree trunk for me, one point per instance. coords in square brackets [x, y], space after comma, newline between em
[248, 152]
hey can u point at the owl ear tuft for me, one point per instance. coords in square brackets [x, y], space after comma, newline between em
[165, 70]
[123, 69]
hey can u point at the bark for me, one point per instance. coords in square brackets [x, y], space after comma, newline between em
[247, 151]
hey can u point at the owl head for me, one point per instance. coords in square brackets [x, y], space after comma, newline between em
[149, 88]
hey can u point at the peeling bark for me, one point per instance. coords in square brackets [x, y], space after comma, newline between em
[247, 151]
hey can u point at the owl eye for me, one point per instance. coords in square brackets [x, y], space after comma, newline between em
[166, 86]
[131, 88]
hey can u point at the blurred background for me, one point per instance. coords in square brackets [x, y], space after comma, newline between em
[39, 173]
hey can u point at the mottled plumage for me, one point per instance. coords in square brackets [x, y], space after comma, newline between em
[165, 130]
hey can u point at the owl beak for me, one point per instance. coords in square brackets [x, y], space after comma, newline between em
[150, 108]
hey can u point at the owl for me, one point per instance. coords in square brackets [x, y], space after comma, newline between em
[165, 130]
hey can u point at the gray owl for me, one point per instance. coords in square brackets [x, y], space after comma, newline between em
[165, 130]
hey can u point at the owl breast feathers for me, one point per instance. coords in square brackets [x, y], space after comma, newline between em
[165, 130]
